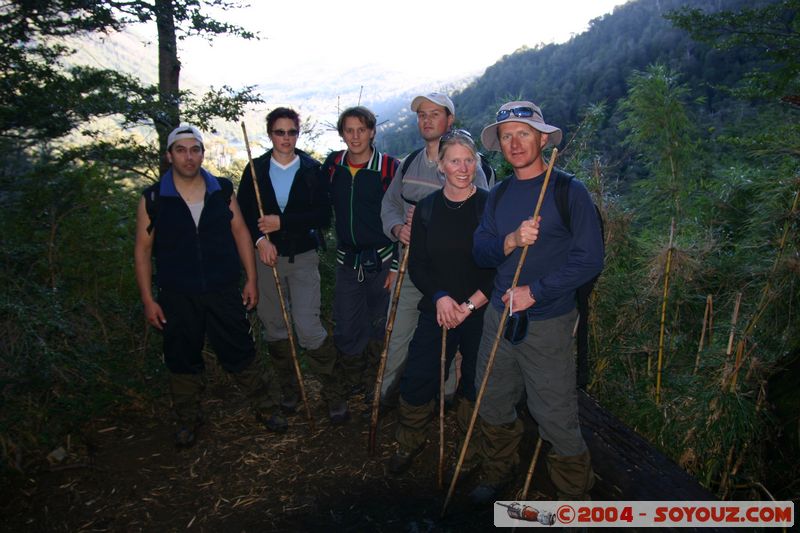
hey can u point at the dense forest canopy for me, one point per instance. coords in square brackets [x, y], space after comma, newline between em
[683, 128]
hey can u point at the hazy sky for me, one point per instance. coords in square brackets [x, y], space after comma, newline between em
[428, 39]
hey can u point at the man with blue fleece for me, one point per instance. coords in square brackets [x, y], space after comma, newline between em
[191, 223]
[539, 360]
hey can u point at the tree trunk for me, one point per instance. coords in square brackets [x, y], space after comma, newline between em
[169, 71]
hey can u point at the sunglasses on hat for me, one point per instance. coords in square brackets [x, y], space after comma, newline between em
[519, 112]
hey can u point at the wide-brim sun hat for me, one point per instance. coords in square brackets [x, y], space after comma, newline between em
[519, 111]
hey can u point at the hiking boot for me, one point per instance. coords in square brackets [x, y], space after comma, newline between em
[289, 403]
[338, 413]
[276, 422]
[468, 469]
[402, 459]
[184, 437]
[357, 389]
[484, 493]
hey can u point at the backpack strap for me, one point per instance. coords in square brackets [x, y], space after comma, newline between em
[151, 195]
[227, 188]
[488, 171]
[409, 158]
[425, 207]
[561, 192]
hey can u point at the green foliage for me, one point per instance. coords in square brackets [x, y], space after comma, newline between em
[69, 315]
[772, 30]
[658, 126]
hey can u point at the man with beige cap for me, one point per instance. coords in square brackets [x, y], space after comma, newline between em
[536, 353]
[419, 176]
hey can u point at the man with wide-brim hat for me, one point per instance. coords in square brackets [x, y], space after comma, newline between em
[535, 354]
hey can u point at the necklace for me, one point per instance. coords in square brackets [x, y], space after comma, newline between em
[449, 204]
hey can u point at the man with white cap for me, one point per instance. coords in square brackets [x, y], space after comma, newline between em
[536, 353]
[418, 177]
[191, 223]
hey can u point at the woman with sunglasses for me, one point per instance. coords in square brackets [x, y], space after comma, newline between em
[454, 292]
[296, 207]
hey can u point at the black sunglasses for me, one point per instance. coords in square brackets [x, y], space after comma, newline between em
[284, 133]
[519, 112]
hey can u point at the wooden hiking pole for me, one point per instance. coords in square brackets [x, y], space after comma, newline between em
[442, 360]
[275, 275]
[531, 468]
[376, 398]
[496, 343]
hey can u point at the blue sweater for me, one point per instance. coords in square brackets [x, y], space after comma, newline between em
[559, 261]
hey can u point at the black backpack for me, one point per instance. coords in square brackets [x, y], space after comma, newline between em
[561, 191]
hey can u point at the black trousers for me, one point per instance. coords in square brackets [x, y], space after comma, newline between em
[220, 315]
[420, 381]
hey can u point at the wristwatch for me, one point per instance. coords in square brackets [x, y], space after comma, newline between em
[470, 305]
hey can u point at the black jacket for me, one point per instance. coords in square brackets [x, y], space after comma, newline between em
[307, 212]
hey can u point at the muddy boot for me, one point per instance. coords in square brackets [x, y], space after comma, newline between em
[264, 394]
[472, 460]
[185, 390]
[499, 454]
[353, 371]
[372, 357]
[281, 354]
[413, 421]
[322, 363]
[572, 475]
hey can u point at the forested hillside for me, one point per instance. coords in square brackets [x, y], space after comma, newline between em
[594, 67]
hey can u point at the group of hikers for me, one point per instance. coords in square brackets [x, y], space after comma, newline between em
[470, 258]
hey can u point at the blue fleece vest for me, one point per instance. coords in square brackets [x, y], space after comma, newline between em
[195, 259]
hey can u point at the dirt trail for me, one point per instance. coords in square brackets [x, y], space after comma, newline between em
[127, 476]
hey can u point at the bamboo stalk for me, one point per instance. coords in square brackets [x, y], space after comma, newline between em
[702, 333]
[710, 320]
[740, 359]
[764, 300]
[500, 326]
[290, 332]
[664, 312]
[734, 319]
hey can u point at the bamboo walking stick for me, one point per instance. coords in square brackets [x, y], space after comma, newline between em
[442, 359]
[376, 398]
[286, 319]
[531, 469]
[500, 327]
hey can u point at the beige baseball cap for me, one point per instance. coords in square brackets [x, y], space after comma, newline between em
[437, 98]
